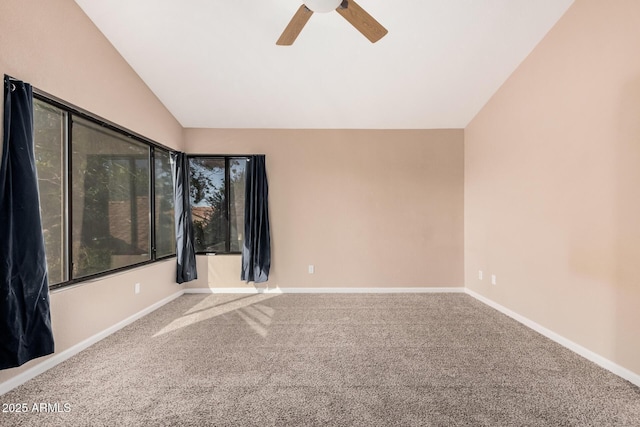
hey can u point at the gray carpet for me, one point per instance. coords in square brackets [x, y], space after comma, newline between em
[318, 360]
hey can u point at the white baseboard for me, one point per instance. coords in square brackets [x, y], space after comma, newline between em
[576, 348]
[405, 290]
[278, 290]
[58, 358]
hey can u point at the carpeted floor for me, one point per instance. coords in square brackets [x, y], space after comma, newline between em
[326, 360]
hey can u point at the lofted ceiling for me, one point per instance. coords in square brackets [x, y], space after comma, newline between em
[215, 63]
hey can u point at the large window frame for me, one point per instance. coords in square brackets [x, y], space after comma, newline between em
[71, 112]
[227, 159]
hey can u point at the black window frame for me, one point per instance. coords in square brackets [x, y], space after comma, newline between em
[227, 194]
[74, 111]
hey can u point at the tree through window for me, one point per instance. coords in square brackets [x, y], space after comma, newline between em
[217, 203]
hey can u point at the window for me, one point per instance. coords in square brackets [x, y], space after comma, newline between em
[50, 133]
[110, 200]
[217, 203]
[164, 213]
[106, 195]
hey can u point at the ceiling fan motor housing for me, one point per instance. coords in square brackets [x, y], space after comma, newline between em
[322, 6]
[349, 9]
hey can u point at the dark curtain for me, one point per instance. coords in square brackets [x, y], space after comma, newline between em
[185, 249]
[25, 320]
[256, 251]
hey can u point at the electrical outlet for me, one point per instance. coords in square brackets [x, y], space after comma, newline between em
[136, 288]
[493, 279]
[312, 269]
[480, 275]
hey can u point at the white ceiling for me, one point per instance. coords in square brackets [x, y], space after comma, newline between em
[215, 63]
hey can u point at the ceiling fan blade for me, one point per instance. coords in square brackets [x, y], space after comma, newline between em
[361, 20]
[294, 27]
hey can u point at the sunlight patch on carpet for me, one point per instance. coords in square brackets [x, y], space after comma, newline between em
[216, 305]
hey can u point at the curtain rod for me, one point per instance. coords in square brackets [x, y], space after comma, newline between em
[83, 112]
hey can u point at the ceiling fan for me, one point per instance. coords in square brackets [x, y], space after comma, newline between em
[349, 9]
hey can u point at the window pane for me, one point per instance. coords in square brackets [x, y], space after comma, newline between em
[110, 200]
[49, 139]
[165, 220]
[208, 204]
[237, 172]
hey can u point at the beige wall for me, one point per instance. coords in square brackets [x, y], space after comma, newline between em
[54, 46]
[552, 179]
[368, 208]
